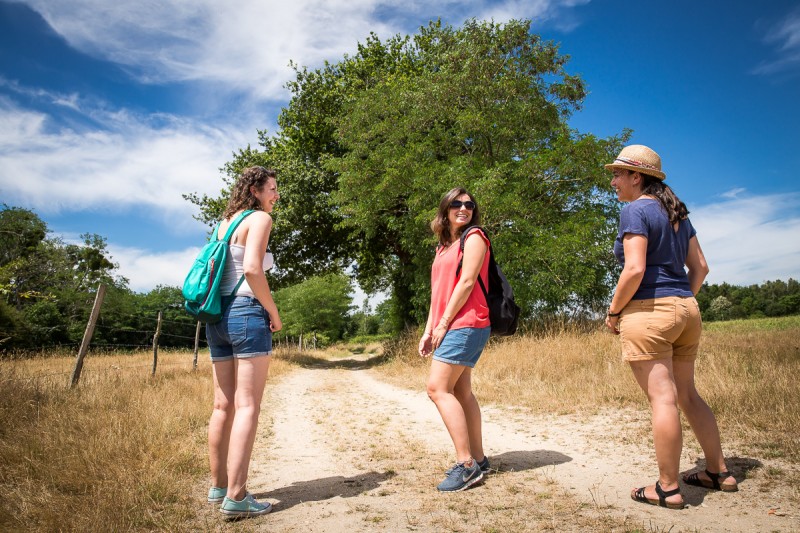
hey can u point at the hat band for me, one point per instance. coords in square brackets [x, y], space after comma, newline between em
[636, 163]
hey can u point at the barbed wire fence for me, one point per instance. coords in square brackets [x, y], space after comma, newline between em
[150, 340]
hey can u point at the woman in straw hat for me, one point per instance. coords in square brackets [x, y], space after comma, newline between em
[657, 317]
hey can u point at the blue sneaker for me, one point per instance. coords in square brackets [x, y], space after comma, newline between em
[217, 494]
[485, 468]
[247, 507]
[461, 477]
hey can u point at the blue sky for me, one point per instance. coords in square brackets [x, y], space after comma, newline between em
[109, 111]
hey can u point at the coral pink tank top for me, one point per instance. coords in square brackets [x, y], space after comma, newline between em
[474, 313]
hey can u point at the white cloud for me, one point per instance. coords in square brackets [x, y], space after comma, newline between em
[130, 163]
[246, 45]
[733, 193]
[145, 269]
[785, 35]
[750, 240]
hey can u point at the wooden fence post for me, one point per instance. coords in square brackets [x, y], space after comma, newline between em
[87, 335]
[196, 345]
[155, 344]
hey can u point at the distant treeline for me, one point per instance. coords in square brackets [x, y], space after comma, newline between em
[772, 298]
[48, 286]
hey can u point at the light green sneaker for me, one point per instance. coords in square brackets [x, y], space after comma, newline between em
[247, 507]
[217, 494]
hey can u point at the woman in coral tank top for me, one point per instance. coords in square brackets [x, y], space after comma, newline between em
[456, 332]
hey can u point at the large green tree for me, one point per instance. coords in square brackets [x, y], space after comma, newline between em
[368, 145]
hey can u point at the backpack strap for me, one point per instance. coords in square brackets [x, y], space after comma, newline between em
[460, 261]
[234, 224]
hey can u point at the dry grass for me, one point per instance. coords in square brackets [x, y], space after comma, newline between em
[747, 371]
[122, 451]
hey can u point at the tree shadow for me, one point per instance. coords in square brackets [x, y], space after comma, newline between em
[311, 361]
[324, 489]
[738, 466]
[526, 460]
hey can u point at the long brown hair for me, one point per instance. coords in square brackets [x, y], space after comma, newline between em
[441, 224]
[241, 197]
[675, 209]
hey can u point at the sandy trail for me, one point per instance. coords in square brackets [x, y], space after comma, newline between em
[340, 450]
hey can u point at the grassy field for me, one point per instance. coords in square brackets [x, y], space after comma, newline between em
[126, 451]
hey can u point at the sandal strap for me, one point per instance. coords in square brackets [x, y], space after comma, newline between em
[716, 476]
[664, 494]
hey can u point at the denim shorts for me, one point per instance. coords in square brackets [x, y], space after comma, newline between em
[243, 331]
[659, 328]
[462, 346]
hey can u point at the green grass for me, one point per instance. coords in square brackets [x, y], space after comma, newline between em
[754, 324]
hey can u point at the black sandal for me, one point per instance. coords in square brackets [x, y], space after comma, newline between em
[638, 496]
[712, 482]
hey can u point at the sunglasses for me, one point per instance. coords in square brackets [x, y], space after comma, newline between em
[469, 204]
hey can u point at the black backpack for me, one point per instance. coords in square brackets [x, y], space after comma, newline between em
[503, 311]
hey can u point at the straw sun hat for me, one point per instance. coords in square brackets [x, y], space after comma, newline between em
[639, 158]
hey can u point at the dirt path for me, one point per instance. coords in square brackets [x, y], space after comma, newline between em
[339, 450]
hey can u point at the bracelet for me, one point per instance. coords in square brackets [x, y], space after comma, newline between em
[613, 314]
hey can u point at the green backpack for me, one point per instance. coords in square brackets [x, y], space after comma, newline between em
[201, 286]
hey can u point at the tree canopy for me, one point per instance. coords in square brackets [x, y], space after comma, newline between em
[368, 145]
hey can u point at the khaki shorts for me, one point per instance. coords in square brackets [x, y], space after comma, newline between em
[659, 328]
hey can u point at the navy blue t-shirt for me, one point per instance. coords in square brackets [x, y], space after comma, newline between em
[664, 274]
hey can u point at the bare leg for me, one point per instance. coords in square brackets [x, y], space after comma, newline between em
[701, 419]
[441, 382]
[472, 412]
[655, 379]
[219, 427]
[251, 377]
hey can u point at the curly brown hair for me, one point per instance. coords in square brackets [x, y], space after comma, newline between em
[441, 224]
[673, 207]
[241, 196]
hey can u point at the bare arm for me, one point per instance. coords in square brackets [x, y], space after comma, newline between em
[424, 348]
[472, 261]
[696, 263]
[635, 247]
[256, 241]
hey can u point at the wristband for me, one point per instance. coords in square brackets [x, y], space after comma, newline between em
[613, 314]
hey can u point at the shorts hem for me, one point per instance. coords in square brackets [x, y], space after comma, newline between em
[252, 355]
[468, 364]
[657, 356]
[240, 356]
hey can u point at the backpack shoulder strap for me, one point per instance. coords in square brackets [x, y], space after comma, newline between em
[460, 261]
[466, 232]
[234, 225]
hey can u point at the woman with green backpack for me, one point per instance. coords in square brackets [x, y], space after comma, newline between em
[241, 343]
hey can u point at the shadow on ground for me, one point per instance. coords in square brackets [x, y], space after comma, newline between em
[738, 466]
[350, 363]
[324, 489]
[526, 460]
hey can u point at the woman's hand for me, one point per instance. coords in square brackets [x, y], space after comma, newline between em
[275, 323]
[612, 323]
[425, 345]
[438, 335]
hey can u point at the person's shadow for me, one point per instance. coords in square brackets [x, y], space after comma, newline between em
[324, 489]
[517, 461]
[738, 466]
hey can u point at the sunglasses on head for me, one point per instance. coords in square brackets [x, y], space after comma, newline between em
[469, 204]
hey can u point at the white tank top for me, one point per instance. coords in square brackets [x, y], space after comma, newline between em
[234, 268]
